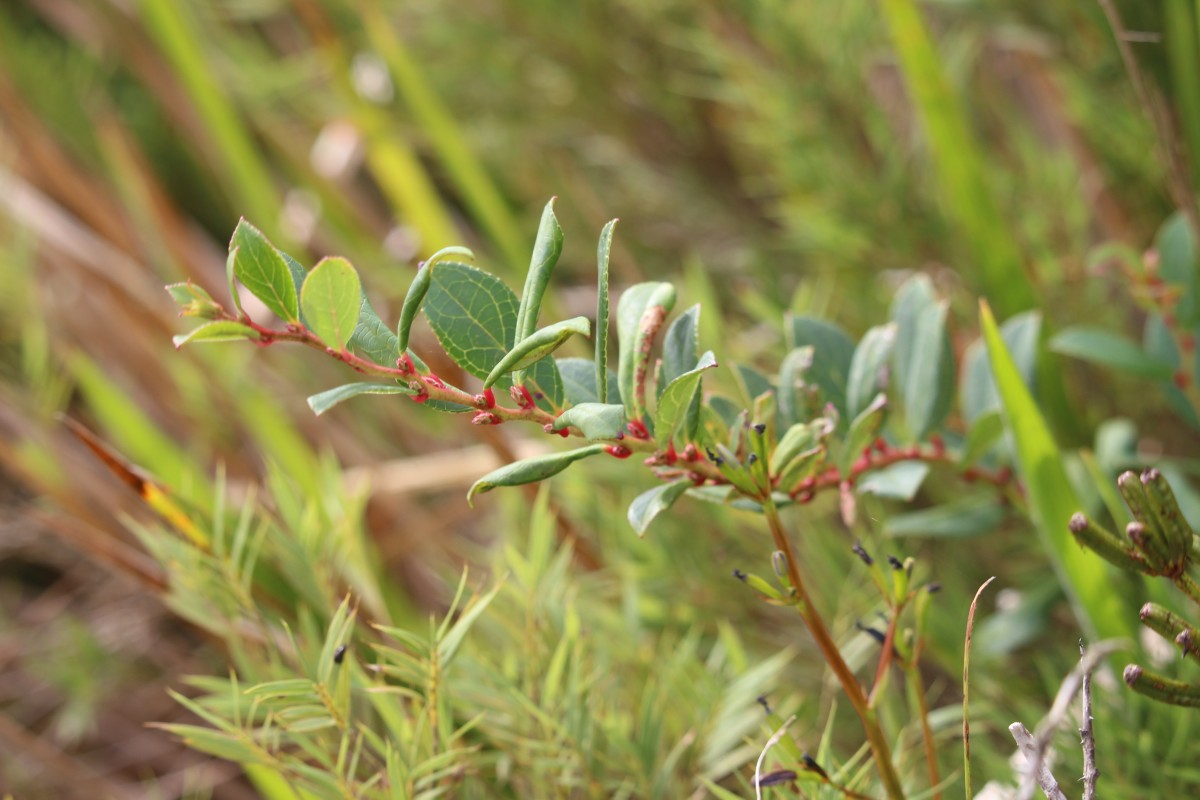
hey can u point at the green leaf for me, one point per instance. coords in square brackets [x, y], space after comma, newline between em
[531, 470]
[833, 351]
[794, 365]
[1052, 499]
[635, 304]
[474, 317]
[330, 297]
[985, 430]
[262, 270]
[579, 380]
[648, 505]
[862, 433]
[677, 397]
[970, 516]
[978, 389]
[869, 367]
[603, 251]
[680, 346]
[1111, 350]
[928, 383]
[419, 287]
[537, 346]
[230, 262]
[298, 273]
[594, 420]
[322, 402]
[219, 331]
[193, 301]
[899, 481]
[371, 338]
[546, 250]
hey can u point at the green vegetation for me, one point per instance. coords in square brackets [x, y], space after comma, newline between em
[735, 453]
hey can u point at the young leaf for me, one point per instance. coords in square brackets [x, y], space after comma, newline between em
[579, 380]
[546, 250]
[594, 420]
[230, 262]
[833, 351]
[680, 346]
[219, 331]
[795, 365]
[418, 288]
[638, 307]
[868, 368]
[537, 346]
[985, 430]
[677, 397]
[928, 383]
[322, 402]
[531, 470]
[193, 301]
[1111, 350]
[649, 504]
[603, 250]
[1052, 499]
[262, 270]
[330, 297]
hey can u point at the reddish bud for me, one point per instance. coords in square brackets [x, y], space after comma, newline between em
[670, 456]
[405, 365]
[485, 418]
[696, 478]
[618, 451]
[690, 453]
[434, 380]
[939, 445]
[521, 397]
[804, 497]
[637, 429]
[563, 432]
[489, 398]
[881, 445]
[1187, 342]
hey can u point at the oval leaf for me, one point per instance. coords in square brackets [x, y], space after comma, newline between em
[262, 270]
[603, 250]
[219, 331]
[927, 384]
[371, 338]
[579, 381]
[531, 470]
[1110, 350]
[330, 297]
[537, 346]
[648, 505]
[633, 352]
[680, 345]
[677, 397]
[320, 403]
[594, 420]
[833, 351]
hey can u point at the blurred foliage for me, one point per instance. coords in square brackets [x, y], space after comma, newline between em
[774, 154]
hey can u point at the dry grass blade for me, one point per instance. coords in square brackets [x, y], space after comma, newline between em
[967, 688]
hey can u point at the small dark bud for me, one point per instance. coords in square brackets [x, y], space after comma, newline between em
[779, 776]
[933, 588]
[812, 766]
[741, 576]
[1136, 531]
[1078, 523]
[1132, 674]
[762, 701]
[878, 636]
[1185, 641]
[862, 554]
[711, 455]
[339, 654]
[761, 427]
[752, 458]
[895, 562]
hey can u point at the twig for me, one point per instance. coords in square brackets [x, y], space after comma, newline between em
[775, 737]
[967, 690]
[1087, 737]
[1038, 773]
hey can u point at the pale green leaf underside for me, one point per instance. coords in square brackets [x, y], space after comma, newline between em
[322, 402]
[531, 470]
[219, 331]
[651, 503]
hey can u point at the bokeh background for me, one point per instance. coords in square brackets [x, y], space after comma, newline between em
[765, 155]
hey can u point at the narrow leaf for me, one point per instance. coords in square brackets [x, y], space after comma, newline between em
[1110, 350]
[869, 367]
[863, 431]
[262, 270]
[1052, 498]
[419, 287]
[648, 505]
[219, 331]
[594, 420]
[322, 402]
[680, 345]
[330, 297]
[537, 346]
[531, 470]
[546, 250]
[603, 251]
[677, 397]
[633, 337]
